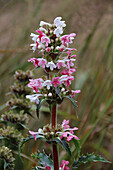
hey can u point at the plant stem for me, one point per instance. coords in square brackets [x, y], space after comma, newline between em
[54, 124]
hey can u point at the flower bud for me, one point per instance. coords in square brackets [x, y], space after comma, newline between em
[50, 94]
[52, 47]
[63, 89]
[51, 32]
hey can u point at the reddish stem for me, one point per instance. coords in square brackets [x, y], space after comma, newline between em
[54, 124]
[53, 114]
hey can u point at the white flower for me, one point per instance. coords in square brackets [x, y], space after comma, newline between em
[58, 31]
[42, 29]
[47, 83]
[50, 94]
[51, 65]
[63, 78]
[40, 130]
[34, 37]
[34, 98]
[33, 47]
[42, 23]
[45, 40]
[58, 22]
[41, 46]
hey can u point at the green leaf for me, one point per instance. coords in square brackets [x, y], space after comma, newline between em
[39, 106]
[64, 144]
[77, 145]
[73, 102]
[57, 90]
[88, 158]
[5, 164]
[44, 158]
[29, 138]
[1, 137]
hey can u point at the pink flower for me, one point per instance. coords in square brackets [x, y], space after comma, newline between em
[42, 62]
[61, 63]
[69, 51]
[69, 136]
[73, 56]
[64, 164]
[65, 124]
[61, 49]
[67, 131]
[48, 49]
[37, 44]
[38, 62]
[74, 92]
[66, 79]
[68, 71]
[35, 83]
[46, 40]
[70, 62]
[47, 167]
[33, 133]
[35, 61]
[67, 39]
[56, 81]
[41, 34]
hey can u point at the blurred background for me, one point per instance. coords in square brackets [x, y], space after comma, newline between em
[92, 21]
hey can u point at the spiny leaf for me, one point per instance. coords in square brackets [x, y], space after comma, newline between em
[73, 102]
[29, 138]
[45, 159]
[88, 158]
[64, 144]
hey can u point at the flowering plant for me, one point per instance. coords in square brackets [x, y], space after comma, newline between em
[57, 60]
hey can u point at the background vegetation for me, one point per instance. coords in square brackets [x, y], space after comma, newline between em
[93, 23]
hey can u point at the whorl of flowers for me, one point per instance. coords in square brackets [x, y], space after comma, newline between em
[23, 76]
[17, 103]
[14, 117]
[62, 131]
[57, 60]
[7, 156]
[11, 133]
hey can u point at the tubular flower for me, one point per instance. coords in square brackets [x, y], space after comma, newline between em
[67, 131]
[61, 63]
[34, 98]
[41, 34]
[63, 165]
[51, 65]
[56, 81]
[47, 83]
[74, 92]
[35, 83]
